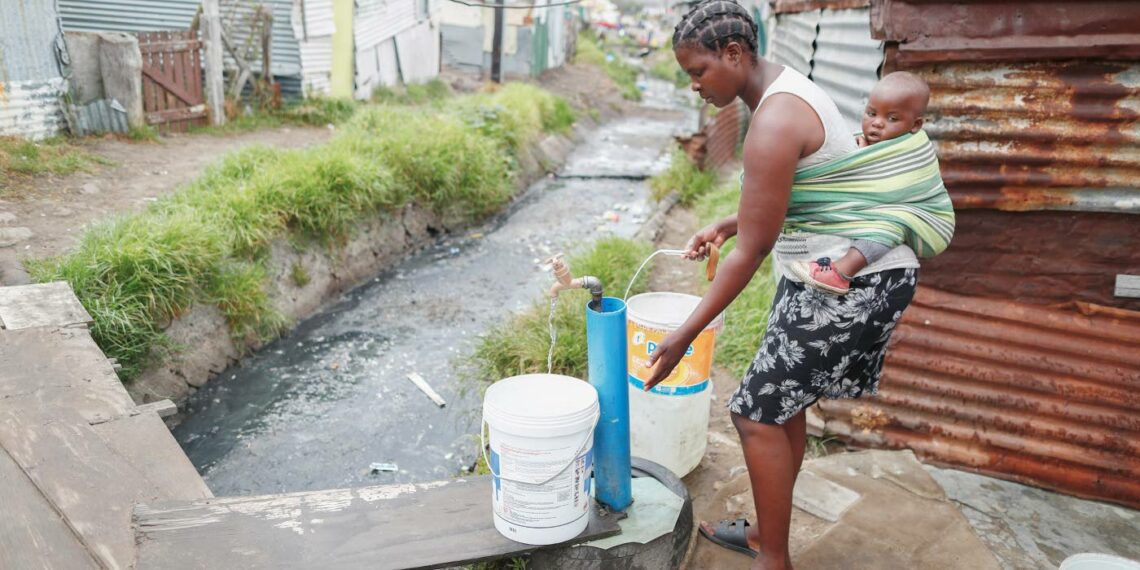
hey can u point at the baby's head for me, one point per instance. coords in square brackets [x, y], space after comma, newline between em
[895, 107]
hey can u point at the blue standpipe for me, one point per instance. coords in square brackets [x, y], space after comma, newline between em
[606, 353]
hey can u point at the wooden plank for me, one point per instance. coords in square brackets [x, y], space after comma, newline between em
[48, 367]
[40, 305]
[146, 444]
[411, 526]
[176, 114]
[90, 486]
[172, 45]
[32, 532]
[1128, 286]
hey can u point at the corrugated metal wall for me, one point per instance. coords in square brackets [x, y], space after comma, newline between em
[418, 52]
[31, 85]
[794, 38]
[1038, 135]
[846, 60]
[1040, 395]
[127, 15]
[314, 27]
[155, 15]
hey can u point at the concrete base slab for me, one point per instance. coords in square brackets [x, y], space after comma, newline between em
[822, 498]
[902, 519]
[1027, 527]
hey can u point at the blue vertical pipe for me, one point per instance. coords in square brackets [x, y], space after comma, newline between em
[606, 353]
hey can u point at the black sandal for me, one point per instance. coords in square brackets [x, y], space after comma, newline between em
[731, 535]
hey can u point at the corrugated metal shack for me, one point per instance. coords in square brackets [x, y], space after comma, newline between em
[1017, 358]
[534, 39]
[31, 82]
[396, 41]
[157, 15]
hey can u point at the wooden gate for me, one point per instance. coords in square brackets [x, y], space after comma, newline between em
[172, 80]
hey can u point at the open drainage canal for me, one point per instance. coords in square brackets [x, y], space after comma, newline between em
[315, 409]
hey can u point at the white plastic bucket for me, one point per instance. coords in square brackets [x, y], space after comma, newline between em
[1095, 561]
[541, 430]
[669, 424]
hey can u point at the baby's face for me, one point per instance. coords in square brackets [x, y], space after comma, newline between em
[891, 113]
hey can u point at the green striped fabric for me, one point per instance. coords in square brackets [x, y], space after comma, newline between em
[890, 193]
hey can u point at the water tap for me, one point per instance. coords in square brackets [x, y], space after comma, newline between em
[564, 280]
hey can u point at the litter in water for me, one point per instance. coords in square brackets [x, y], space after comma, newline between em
[427, 389]
[383, 468]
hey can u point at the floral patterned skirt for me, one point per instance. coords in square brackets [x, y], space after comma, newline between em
[822, 345]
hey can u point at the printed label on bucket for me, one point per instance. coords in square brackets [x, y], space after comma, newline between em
[691, 374]
[561, 501]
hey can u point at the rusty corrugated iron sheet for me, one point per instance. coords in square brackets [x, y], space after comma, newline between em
[1017, 30]
[1037, 135]
[1043, 396]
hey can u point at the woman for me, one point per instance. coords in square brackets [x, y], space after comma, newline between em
[816, 344]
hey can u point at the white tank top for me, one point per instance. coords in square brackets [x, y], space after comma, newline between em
[837, 141]
[837, 138]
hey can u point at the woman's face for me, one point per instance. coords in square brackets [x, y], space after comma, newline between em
[715, 76]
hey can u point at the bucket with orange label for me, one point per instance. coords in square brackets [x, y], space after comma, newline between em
[651, 316]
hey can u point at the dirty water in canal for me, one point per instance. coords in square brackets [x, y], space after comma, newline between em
[316, 408]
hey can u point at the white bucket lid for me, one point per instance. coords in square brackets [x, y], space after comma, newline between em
[1095, 561]
[666, 311]
[541, 405]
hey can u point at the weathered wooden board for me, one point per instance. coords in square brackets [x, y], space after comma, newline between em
[1128, 286]
[41, 305]
[146, 444]
[87, 481]
[412, 526]
[49, 367]
[32, 534]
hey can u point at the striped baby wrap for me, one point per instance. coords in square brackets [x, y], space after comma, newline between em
[891, 193]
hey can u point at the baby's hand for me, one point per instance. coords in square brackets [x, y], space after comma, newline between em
[860, 141]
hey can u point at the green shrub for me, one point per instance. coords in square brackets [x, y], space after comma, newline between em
[321, 111]
[682, 176]
[668, 70]
[413, 94]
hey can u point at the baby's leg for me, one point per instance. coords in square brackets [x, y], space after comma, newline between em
[862, 253]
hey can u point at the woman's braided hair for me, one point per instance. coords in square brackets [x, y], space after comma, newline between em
[716, 23]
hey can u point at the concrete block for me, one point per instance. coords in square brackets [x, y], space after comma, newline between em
[86, 75]
[120, 62]
[822, 498]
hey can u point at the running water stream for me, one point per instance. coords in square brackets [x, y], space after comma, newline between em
[314, 409]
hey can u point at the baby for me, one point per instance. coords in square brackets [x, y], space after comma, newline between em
[895, 107]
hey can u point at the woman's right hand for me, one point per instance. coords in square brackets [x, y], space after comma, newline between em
[716, 234]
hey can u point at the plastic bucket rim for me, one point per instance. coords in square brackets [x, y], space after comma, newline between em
[633, 314]
[501, 418]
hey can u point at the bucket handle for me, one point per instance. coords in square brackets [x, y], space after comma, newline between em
[573, 458]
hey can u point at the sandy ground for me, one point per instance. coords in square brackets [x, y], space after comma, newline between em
[46, 217]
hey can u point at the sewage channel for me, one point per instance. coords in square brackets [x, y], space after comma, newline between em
[314, 409]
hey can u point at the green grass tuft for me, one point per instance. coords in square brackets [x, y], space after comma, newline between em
[414, 94]
[747, 317]
[520, 345]
[685, 177]
[21, 158]
[667, 69]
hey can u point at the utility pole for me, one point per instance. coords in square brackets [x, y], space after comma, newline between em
[497, 44]
[215, 86]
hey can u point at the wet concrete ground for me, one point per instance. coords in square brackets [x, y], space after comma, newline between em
[316, 408]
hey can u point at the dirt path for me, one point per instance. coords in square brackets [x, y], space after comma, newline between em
[46, 216]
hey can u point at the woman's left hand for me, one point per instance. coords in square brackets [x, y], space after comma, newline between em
[666, 356]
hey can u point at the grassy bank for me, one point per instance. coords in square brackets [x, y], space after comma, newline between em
[684, 177]
[520, 345]
[591, 51]
[208, 242]
[23, 159]
[747, 317]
